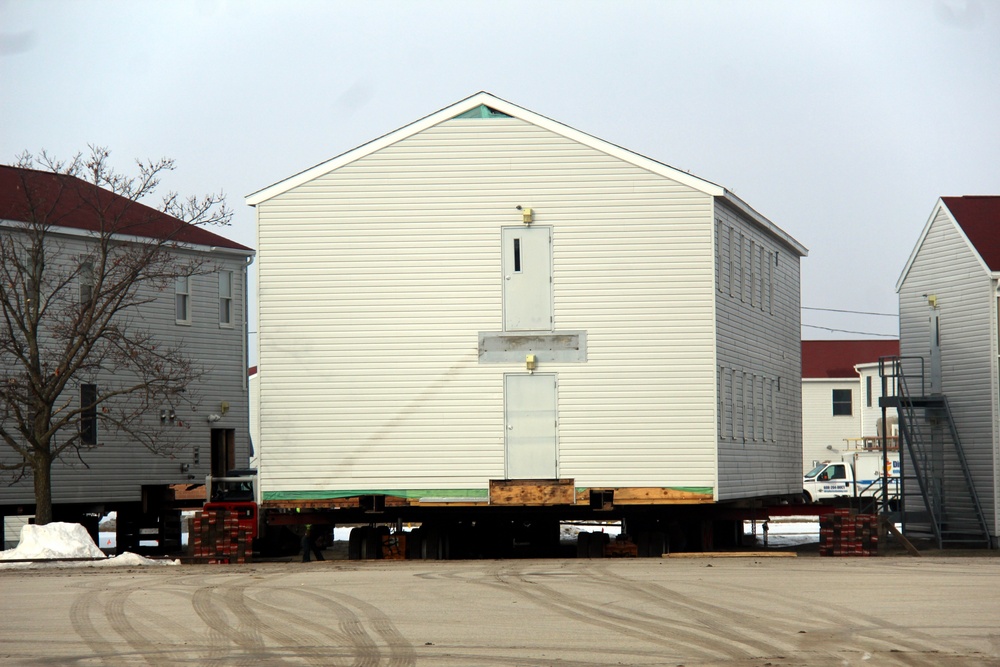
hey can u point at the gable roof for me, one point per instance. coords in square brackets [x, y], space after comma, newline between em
[837, 358]
[499, 108]
[73, 203]
[979, 218]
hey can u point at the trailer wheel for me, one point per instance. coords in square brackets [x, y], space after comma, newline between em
[583, 545]
[371, 543]
[657, 544]
[597, 542]
[431, 544]
[642, 543]
[414, 544]
[354, 542]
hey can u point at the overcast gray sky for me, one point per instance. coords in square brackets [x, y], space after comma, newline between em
[841, 121]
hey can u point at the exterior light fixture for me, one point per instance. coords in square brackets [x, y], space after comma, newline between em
[527, 215]
[530, 363]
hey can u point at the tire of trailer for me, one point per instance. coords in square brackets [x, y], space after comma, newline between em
[583, 544]
[414, 544]
[597, 542]
[354, 541]
[430, 548]
[657, 544]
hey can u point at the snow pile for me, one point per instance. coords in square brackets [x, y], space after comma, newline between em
[65, 540]
[54, 540]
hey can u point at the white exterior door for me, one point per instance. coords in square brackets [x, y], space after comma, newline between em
[527, 278]
[530, 424]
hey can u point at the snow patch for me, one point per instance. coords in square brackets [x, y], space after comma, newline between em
[65, 540]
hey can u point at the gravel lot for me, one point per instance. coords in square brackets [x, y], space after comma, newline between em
[769, 612]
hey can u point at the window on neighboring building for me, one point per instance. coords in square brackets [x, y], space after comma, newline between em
[86, 282]
[182, 300]
[842, 402]
[226, 298]
[88, 418]
[868, 390]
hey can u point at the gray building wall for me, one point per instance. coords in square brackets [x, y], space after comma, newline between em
[117, 468]
[945, 266]
[759, 363]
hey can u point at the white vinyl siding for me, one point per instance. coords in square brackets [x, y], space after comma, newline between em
[945, 266]
[376, 278]
[821, 429]
[748, 330]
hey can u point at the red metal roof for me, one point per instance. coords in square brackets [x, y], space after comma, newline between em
[837, 358]
[67, 201]
[979, 218]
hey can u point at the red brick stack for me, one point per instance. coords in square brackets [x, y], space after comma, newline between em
[844, 534]
[217, 537]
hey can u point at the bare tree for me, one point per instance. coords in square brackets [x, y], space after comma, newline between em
[80, 256]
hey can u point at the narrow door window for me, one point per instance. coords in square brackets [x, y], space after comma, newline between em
[226, 298]
[86, 277]
[182, 300]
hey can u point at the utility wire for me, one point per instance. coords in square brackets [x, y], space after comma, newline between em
[852, 312]
[860, 333]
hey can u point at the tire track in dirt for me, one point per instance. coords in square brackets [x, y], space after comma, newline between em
[658, 630]
[222, 635]
[839, 618]
[907, 650]
[80, 615]
[311, 639]
[146, 643]
[368, 654]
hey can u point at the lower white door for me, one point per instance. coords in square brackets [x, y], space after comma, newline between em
[530, 412]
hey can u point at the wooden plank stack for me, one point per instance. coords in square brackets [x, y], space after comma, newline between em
[218, 538]
[842, 533]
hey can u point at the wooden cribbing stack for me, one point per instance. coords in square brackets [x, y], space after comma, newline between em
[218, 537]
[842, 533]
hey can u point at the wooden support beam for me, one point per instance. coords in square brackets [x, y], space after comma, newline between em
[532, 492]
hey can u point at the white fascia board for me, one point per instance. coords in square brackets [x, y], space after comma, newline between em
[923, 235]
[918, 245]
[129, 238]
[783, 236]
[844, 380]
[538, 120]
[500, 105]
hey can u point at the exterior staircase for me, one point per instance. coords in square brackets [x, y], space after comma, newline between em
[939, 499]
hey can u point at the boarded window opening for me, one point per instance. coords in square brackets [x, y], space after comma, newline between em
[88, 418]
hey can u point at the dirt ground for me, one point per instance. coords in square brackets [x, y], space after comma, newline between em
[759, 611]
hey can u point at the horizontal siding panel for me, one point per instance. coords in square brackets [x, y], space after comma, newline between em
[945, 266]
[375, 280]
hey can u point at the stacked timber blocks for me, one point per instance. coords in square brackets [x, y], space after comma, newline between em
[844, 534]
[217, 537]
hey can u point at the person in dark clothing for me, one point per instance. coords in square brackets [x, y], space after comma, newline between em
[312, 542]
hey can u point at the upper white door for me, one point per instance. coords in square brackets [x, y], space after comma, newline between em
[527, 278]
